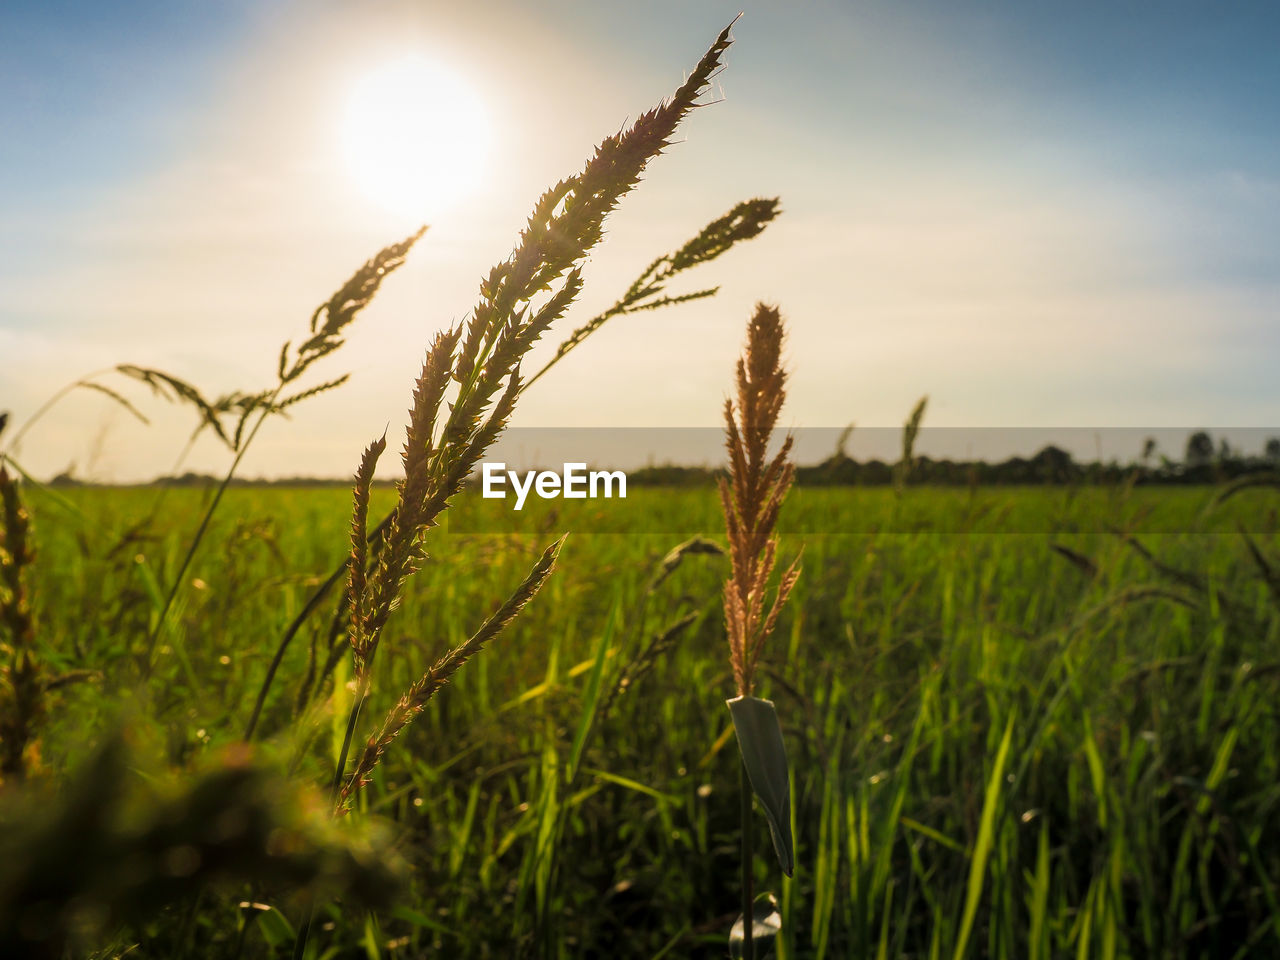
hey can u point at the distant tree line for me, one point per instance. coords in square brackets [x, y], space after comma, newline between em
[1204, 461]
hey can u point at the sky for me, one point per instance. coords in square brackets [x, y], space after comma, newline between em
[1042, 216]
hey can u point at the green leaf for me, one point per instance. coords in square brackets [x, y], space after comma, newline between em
[765, 756]
[276, 929]
[766, 924]
[420, 919]
[592, 697]
[982, 846]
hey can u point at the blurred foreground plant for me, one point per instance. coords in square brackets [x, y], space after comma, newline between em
[113, 847]
[22, 683]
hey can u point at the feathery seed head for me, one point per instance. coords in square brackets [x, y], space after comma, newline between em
[752, 495]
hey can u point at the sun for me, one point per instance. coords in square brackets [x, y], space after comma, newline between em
[415, 136]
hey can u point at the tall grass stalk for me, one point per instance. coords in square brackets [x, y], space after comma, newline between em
[519, 300]
[751, 497]
[910, 431]
[476, 364]
[745, 221]
[326, 327]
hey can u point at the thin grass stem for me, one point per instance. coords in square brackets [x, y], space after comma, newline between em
[748, 858]
[353, 720]
[15, 441]
[176, 585]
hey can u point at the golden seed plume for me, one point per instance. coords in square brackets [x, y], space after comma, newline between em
[752, 495]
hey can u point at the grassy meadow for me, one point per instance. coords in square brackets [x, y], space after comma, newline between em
[1016, 727]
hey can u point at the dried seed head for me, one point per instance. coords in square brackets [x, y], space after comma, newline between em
[752, 495]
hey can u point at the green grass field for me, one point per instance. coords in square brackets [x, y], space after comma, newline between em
[998, 748]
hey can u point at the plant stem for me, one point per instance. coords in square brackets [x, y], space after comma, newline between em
[200, 532]
[310, 607]
[568, 345]
[304, 929]
[748, 857]
[313, 602]
[16, 439]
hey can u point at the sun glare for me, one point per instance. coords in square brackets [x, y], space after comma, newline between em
[416, 136]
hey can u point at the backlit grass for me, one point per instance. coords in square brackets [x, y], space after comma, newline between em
[993, 744]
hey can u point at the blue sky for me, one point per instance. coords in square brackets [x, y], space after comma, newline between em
[1040, 215]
